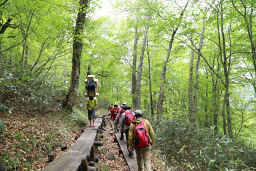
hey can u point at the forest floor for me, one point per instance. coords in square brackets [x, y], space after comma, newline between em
[28, 139]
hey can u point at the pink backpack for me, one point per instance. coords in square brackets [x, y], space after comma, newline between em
[141, 138]
[129, 117]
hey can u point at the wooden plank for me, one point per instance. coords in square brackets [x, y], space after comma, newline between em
[131, 161]
[71, 159]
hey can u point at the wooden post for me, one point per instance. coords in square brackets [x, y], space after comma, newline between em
[84, 165]
[93, 149]
[98, 143]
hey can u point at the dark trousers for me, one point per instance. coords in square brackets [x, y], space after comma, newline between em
[126, 136]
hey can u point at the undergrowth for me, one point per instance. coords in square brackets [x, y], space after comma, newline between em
[27, 140]
[199, 148]
[28, 93]
[80, 116]
[33, 123]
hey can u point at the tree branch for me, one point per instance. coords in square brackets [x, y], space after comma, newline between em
[155, 11]
[5, 25]
[3, 3]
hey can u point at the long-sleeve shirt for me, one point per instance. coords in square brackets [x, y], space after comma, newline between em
[148, 127]
[121, 121]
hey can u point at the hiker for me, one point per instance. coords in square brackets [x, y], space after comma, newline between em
[110, 108]
[141, 137]
[114, 111]
[118, 116]
[126, 119]
[91, 106]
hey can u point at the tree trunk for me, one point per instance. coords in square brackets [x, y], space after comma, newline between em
[134, 67]
[216, 96]
[249, 28]
[2, 3]
[25, 34]
[77, 49]
[194, 106]
[224, 123]
[226, 67]
[140, 67]
[5, 26]
[43, 46]
[215, 112]
[206, 123]
[163, 80]
[150, 83]
[190, 89]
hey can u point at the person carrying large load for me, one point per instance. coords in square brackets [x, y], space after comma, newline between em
[91, 86]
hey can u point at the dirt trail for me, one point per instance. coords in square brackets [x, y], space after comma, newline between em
[110, 159]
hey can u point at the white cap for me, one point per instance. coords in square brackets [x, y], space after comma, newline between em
[138, 112]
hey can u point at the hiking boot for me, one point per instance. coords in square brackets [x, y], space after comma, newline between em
[122, 137]
[130, 154]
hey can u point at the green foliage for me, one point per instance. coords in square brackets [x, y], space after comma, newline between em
[2, 127]
[200, 148]
[27, 91]
[80, 116]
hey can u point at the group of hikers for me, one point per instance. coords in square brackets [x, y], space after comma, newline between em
[138, 131]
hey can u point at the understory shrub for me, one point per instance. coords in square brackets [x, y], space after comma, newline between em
[28, 93]
[200, 148]
[79, 116]
[2, 127]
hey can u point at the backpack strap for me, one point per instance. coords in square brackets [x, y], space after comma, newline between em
[142, 122]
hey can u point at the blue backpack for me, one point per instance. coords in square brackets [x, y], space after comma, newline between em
[91, 85]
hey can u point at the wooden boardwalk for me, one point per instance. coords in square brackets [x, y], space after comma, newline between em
[71, 160]
[131, 161]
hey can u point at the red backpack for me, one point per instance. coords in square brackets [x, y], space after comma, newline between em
[116, 110]
[129, 117]
[141, 138]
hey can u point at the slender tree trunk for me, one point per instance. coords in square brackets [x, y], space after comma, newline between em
[43, 46]
[70, 100]
[89, 70]
[249, 28]
[194, 106]
[216, 105]
[190, 89]
[3, 28]
[215, 113]
[206, 123]
[25, 34]
[134, 66]
[140, 67]
[226, 75]
[26, 56]
[163, 79]
[150, 83]
[224, 123]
